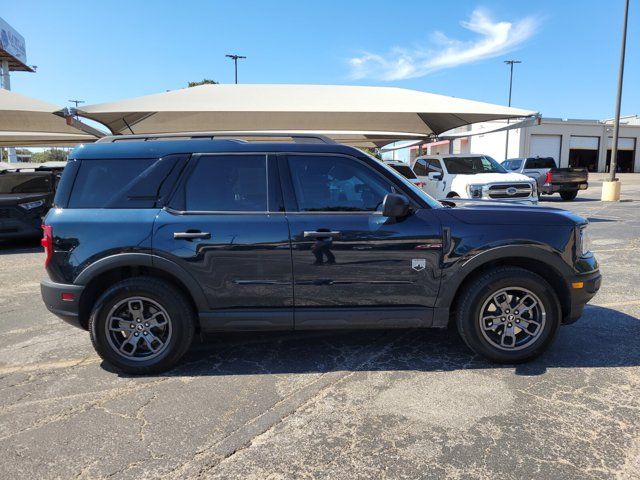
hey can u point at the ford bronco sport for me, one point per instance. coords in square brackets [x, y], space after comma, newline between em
[153, 240]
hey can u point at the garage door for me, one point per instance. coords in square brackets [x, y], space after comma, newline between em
[545, 146]
[624, 143]
[584, 143]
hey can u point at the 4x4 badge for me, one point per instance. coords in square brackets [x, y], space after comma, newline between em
[418, 264]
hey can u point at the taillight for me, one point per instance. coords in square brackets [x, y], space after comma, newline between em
[547, 178]
[47, 243]
[420, 184]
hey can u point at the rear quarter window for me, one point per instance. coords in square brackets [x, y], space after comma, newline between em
[540, 163]
[99, 182]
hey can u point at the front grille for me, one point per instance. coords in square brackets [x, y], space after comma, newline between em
[5, 213]
[510, 190]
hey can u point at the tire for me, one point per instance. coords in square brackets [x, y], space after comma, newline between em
[568, 196]
[519, 346]
[118, 320]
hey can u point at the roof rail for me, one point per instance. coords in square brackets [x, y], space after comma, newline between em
[297, 137]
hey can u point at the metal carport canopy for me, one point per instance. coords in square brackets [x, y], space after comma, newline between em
[26, 121]
[294, 107]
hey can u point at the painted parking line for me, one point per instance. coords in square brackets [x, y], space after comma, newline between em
[37, 367]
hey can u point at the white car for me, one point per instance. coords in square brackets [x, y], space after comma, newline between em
[473, 176]
[405, 170]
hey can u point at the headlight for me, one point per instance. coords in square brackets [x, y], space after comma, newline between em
[534, 188]
[31, 205]
[475, 191]
[584, 241]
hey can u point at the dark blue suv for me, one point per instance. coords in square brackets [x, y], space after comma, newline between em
[154, 240]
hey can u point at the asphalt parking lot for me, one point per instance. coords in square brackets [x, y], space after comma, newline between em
[377, 404]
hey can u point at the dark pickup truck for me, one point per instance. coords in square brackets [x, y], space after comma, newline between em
[550, 179]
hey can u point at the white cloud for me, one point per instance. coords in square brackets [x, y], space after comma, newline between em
[494, 38]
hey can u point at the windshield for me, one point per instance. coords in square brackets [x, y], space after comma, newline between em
[512, 165]
[404, 170]
[418, 191]
[472, 165]
[25, 183]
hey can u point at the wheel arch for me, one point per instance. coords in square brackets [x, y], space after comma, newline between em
[541, 262]
[105, 272]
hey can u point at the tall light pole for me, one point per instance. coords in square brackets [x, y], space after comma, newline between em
[235, 59]
[510, 63]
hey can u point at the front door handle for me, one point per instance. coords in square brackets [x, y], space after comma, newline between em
[190, 235]
[317, 234]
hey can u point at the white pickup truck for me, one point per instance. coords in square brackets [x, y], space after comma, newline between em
[473, 176]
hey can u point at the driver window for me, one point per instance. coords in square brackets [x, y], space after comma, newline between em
[336, 184]
[420, 167]
[434, 166]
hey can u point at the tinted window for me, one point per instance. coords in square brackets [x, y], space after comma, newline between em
[420, 167]
[512, 165]
[540, 163]
[234, 183]
[99, 181]
[336, 184]
[472, 165]
[404, 170]
[434, 166]
[25, 183]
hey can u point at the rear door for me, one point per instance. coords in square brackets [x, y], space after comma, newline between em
[227, 228]
[350, 263]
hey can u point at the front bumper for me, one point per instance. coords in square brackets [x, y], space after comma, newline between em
[580, 296]
[67, 310]
[27, 227]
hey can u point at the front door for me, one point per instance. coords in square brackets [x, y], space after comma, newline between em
[226, 228]
[351, 265]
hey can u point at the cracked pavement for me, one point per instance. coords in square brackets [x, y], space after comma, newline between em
[363, 404]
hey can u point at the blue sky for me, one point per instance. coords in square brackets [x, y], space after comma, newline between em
[100, 51]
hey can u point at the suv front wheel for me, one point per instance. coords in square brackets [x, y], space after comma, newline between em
[509, 315]
[142, 325]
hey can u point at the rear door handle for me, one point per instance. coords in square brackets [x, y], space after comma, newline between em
[191, 235]
[317, 234]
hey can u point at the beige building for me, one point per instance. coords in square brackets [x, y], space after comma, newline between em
[572, 142]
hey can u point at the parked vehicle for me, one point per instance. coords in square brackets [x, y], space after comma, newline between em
[473, 176]
[154, 241]
[550, 179]
[405, 170]
[26, 194]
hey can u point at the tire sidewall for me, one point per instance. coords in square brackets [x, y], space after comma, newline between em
[181, 326]
[545, 293]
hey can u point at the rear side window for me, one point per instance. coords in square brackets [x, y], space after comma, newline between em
[540, 163]
[420, 167]
[99, 181]
[228, 183]
[404, 170]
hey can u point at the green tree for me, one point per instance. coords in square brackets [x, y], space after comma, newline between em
[51, 155]
[205, 81]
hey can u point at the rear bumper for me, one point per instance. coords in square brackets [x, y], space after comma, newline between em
[563, 187]
[67, 310]
[580, 296]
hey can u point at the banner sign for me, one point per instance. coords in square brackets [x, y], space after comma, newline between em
[12, 42]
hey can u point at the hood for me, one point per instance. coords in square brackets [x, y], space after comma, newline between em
[494, 213]
[12, 199]
[494, 178]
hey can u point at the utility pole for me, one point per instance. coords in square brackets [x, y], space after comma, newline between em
[235, 59]
[510, 63]
[611, 188]
[76, 102]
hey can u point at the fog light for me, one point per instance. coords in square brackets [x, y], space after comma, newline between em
[68, 297]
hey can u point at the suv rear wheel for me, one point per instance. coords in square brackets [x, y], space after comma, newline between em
[142, 325]
[509, 315]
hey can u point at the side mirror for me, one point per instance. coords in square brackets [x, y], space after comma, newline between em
[395, 205]
[435, 176]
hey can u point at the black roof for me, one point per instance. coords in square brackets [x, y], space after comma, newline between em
[161, 148]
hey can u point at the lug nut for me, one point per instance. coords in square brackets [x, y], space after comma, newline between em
[133, 325]
[517, 320]
[509, 325]
[145, 332]
[136, 334]
[146, 324]
[490, 324]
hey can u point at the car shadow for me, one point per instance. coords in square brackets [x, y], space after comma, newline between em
[558, 199]
[603, 338]
[29, 245]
